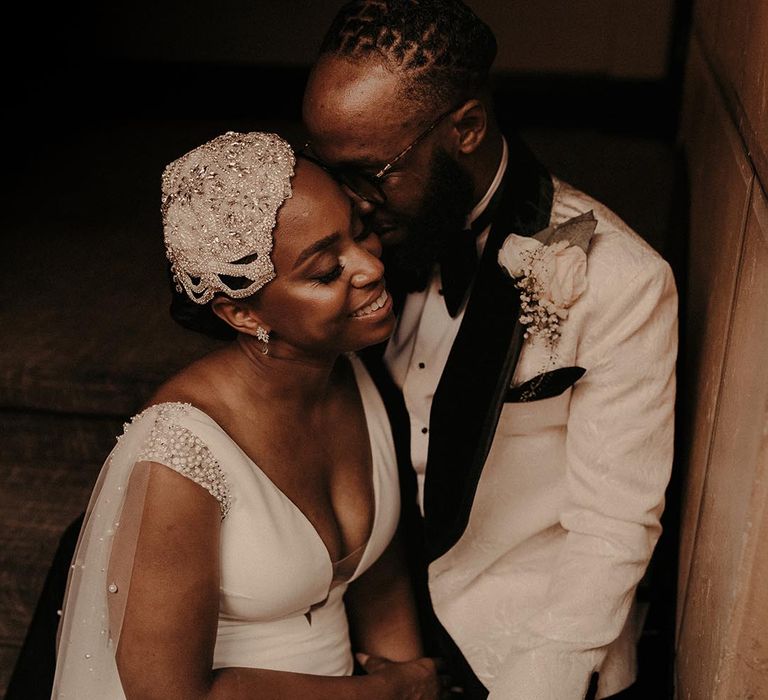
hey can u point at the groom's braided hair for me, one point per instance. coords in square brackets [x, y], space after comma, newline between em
[442, 48]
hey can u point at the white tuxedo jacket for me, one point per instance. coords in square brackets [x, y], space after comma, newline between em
[537, 589]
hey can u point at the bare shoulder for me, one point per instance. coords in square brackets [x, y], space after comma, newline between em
[194, 384]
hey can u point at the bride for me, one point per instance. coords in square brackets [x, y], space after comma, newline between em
[241, 532]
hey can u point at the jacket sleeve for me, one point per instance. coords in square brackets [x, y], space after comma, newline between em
[619, 457]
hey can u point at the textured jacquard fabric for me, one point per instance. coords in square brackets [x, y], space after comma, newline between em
[538, 592]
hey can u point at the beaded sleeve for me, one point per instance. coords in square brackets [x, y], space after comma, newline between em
[181, 450]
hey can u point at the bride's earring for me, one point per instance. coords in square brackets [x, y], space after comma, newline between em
[262, 335]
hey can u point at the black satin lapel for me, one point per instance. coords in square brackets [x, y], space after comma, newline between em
[470, 395]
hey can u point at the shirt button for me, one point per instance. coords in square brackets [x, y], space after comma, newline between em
[425, 430]
[421, 365]
[440, 291]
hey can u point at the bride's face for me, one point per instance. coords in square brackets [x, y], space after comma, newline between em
[328, 295]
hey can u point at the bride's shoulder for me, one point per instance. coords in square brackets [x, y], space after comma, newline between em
[178, 435]
[195, 384]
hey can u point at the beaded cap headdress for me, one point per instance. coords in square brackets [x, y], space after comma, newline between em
[219, 207]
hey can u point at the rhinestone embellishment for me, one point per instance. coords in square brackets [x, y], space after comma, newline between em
[183, 451]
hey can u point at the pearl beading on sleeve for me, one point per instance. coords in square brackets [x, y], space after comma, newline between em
[181, 450]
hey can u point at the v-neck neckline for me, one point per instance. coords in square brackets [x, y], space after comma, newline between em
[360, 377]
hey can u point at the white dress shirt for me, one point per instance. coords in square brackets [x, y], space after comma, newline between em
[419, 348]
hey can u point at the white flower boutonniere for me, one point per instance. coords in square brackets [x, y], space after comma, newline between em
[550, 270]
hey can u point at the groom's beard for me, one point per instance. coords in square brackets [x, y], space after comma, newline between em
[443, 211]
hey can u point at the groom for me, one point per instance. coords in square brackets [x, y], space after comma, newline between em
[534, 372]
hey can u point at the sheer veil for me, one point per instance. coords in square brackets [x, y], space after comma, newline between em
[99, 577]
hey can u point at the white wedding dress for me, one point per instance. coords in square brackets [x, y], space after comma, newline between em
[280, 602]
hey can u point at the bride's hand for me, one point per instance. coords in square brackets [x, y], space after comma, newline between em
[407, 680]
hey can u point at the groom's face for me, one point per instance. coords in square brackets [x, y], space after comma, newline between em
[359, 121]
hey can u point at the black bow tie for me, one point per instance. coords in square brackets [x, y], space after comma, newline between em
[458, 262]
[458, 259]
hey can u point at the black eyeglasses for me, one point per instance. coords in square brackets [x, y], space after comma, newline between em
[370, 186]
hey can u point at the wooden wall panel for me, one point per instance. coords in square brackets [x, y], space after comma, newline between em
[708, 16]
[722, 644]
[735, 37]
[753, 82]
[746, 385]
[723, 585]
[720, 184]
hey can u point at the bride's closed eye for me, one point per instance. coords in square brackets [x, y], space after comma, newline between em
[360, 234]
[330, 276]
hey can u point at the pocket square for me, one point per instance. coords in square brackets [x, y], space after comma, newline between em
[546, 385]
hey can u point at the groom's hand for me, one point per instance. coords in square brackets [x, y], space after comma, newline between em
[420, 679]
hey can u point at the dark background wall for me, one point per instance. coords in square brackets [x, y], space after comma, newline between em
[238, 57]
[621, 38]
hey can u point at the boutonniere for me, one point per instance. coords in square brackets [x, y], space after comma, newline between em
[550, 270]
